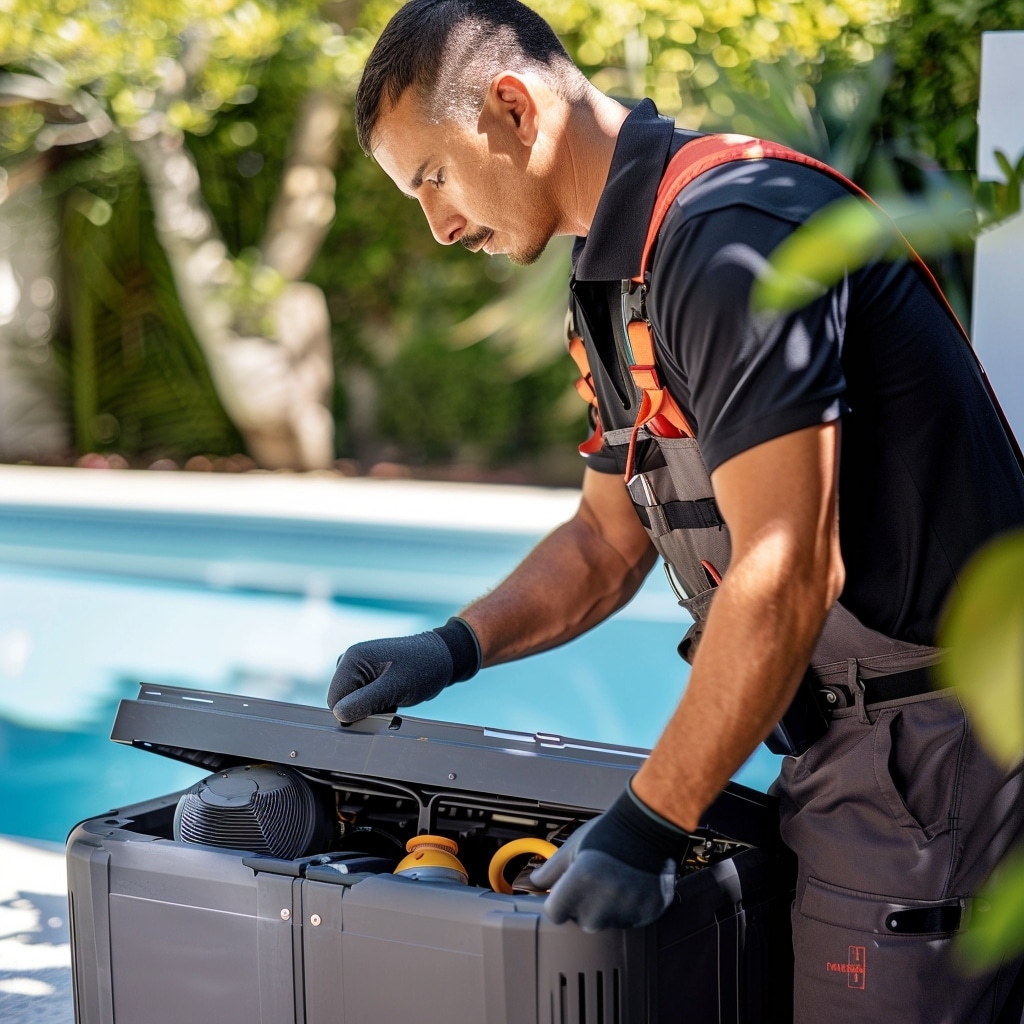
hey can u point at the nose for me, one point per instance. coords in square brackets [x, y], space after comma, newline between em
[446, 225]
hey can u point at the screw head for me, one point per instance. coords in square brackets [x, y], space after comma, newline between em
[452, 776]
[314, 920]
[293, 753]
[285, 914]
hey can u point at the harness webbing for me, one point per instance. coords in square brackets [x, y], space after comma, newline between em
[699, 514]
[658, 411]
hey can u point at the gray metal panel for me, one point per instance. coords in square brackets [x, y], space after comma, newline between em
[412, 951]
[216, 729]
[173, 962]
[321, 953]
[510, 965]
[585, 979]
[174, 933]
[398, 748]
[88, 863]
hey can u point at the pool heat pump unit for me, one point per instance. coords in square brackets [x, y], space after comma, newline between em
[380, 872]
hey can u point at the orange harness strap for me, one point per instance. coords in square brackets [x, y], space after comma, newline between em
[658, 411]
[585, 389]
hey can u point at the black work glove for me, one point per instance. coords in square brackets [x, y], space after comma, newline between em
[379, 676]
[617, 871]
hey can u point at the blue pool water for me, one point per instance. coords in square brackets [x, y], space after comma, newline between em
[94, 601]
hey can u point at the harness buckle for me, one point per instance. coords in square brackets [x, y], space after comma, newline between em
[634, 300]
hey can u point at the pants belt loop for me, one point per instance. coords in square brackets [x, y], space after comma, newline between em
[853, 681]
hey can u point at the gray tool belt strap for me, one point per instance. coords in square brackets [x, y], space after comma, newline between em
[850, 656]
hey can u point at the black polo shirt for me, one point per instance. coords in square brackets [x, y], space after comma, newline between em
[926, 472]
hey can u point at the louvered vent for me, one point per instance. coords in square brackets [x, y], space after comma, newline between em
[265, 809]
[593, 997]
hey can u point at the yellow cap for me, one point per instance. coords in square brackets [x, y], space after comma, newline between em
[432, 858]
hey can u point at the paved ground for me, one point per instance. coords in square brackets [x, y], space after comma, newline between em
[35, 951]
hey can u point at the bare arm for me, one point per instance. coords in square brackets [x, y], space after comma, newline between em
[786, 571]
[573, 579]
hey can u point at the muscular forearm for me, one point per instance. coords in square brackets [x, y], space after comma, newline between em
[785, 574]
[569, 583]
[754, 650]
[575, 578]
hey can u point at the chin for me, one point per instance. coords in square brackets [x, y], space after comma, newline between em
[526, 256]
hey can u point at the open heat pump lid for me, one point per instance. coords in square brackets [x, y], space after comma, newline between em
[218, 730]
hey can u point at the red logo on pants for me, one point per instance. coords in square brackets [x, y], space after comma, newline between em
[855, 968]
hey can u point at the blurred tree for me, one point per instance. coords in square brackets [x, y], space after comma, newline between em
[931, 104]
[130, 82]
[217, 220]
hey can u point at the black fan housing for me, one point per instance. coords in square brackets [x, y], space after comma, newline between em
[262, 808]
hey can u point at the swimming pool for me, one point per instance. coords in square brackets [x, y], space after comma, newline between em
[254, 585]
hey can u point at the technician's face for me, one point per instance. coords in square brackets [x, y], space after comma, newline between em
[473, 181]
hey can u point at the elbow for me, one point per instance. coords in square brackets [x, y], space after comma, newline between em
[836, 580]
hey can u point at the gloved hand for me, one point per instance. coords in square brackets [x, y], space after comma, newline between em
[378, 676]
[617, 871]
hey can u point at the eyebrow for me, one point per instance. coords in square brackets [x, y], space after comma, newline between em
[417, 178]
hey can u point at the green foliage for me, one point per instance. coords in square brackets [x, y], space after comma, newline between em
[442, 403]
[681, 54]
[813, 73]
[137, 381]
[82, 78]
[852, 232]
[932, 102]
[997, 929]
[114, 56]
[984, 631]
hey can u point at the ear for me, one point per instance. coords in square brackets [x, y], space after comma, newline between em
[513, 101]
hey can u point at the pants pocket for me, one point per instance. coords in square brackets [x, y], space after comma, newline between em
[864, 957]
[917, 762]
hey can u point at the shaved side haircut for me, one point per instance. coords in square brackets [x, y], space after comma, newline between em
[448, 51]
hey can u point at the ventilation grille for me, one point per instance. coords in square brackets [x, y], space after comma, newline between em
[593, 997]
[265, 809]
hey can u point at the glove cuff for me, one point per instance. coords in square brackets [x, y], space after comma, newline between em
[633, 833]
[463, 646]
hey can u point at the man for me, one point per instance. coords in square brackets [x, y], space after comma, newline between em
[855, 459]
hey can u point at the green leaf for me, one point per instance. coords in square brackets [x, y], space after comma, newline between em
[846, 233]
[984, 631]
[997, 928]
[851, 232]
[1005, 166]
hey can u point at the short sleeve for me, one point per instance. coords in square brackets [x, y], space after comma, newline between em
[745, 376]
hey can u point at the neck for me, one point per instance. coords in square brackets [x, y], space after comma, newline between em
[592, 129]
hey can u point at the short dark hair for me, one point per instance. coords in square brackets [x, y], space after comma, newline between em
[449, 50]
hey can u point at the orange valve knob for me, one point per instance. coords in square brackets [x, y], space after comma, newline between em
[495, 875]
[432, 859]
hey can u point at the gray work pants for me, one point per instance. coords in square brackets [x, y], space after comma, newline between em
[896, 816]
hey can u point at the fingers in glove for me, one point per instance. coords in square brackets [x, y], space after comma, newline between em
[377, 675]
[598, 892]
[361, 704]
[545, 876]
[354, 671]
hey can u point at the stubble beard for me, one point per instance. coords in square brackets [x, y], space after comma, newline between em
[531, 252]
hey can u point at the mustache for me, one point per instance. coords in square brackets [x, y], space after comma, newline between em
[476, 239]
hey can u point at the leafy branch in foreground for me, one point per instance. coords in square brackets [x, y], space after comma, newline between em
[852, 231]
[984, 632]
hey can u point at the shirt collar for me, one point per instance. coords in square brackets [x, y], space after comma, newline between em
[613, 248]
